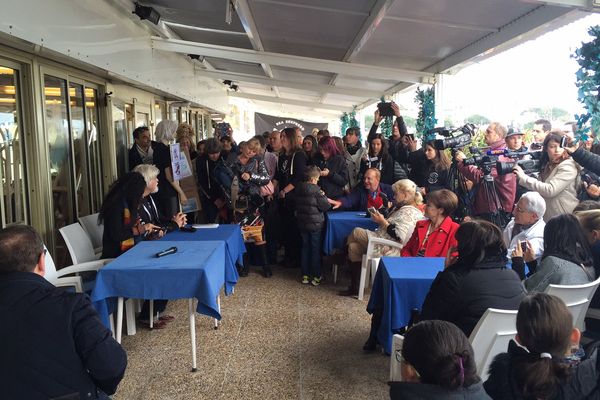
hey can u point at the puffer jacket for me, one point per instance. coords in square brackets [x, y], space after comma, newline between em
[559, 189]
[557, 271]
[333, 184]
[311, 204]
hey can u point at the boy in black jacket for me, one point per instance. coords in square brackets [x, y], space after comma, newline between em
[311, 203]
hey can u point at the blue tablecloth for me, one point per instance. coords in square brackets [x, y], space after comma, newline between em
[340, 224]
[194, 271]
[401, 284]
[234, 246]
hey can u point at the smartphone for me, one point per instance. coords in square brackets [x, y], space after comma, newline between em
[371, 210]
[385, 109]
[411, 136]
[523, 246]
[564, 141]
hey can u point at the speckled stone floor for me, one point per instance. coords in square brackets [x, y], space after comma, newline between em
[278, 339]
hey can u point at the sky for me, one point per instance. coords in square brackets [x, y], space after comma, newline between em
[537, 73]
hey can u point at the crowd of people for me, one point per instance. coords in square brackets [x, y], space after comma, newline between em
[502, 248]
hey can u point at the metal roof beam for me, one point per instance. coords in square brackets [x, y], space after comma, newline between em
[261, 80]
[243, 11]
[287, 60]
[282, 100]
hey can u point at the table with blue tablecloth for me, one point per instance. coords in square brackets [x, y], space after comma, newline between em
[340, 224]
[234, 245]
[401, 284]
[194, 271]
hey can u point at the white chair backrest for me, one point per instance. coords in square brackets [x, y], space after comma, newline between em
[79, 244]
[491, 336]
[91, 227]
[396, 358]
[578, 310]
[573, 294]
[50, 274]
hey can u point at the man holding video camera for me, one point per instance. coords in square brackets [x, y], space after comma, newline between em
[484, 204]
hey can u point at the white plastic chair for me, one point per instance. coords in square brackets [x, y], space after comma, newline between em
[78, 243]
[370, 263]
[59, 278]
[574, 294]
[89, 223]
[490, 337]
[396, 358]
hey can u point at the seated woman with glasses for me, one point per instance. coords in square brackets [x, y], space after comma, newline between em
[433, 236]
[437, 362]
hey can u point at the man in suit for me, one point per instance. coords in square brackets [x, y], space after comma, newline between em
[147, 151]
[53, 343]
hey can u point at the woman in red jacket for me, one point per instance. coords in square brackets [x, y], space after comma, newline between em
[433, 236]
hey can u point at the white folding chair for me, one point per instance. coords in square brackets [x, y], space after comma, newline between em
[89, 223]
[78, 243]
[370, 263]
[574, 294]
[396, 358]
[491, 336]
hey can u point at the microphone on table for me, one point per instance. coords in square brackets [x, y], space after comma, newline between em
[171, 250]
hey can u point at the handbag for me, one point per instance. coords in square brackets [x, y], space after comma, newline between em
[268, 189]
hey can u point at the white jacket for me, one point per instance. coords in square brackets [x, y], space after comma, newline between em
[559, 189]
[535, 235]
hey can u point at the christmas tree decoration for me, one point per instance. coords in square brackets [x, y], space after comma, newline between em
[588, 82]
[426, 120]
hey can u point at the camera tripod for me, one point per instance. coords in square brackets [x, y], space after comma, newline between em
[497, 216]
[459, 187]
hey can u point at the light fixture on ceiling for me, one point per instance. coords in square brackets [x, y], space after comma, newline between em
[145, 12]
[229, 12]
[234, 87]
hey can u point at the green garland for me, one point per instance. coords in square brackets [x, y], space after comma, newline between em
[588, 82]
[348, 120]
[426, 120]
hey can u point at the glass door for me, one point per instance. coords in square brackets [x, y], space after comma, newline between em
[92, 123]
[13, 190]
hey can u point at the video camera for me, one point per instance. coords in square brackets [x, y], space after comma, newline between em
[529, 165]
[453, 141]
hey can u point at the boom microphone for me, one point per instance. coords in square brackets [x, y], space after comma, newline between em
[171, 250]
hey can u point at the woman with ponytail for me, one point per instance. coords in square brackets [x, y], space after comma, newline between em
[437, 363]
[544, 360]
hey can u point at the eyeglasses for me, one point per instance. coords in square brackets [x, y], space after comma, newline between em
[519, 209]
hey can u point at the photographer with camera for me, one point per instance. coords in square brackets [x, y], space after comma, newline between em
[559, 177]
[495, 207]
[590, 161]
[396, 147]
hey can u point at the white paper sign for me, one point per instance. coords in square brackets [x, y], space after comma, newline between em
[179, 165]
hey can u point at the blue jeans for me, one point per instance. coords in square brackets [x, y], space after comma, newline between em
[311, 253]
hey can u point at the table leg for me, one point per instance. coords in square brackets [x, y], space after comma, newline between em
[218, 309]
[151, 314]
[191, 314]
[119, 318]
[130, 315]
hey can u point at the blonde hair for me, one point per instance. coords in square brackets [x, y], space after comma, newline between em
[148, 171]
[589, 220]
[409, 187]
[254, 145]
[185, 130]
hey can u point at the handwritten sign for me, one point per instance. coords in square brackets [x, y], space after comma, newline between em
[179, 163]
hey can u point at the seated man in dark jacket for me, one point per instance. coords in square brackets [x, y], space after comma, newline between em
[371, 194]
[476, 281]
[54, 345]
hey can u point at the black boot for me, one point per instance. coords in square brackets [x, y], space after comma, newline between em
[261, 254]
[371, 343]
[354, 279]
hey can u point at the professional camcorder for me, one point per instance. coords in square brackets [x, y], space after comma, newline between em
[452, 141]
[529, 165]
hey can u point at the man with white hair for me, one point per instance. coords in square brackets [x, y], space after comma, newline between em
[527, 224]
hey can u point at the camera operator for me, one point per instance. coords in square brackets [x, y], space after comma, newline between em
[514, 143]
[590, 161]
[506, 185]
[559, 177]
[396, 148]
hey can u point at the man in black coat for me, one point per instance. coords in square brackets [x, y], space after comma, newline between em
[53, 343]
[146, 151]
